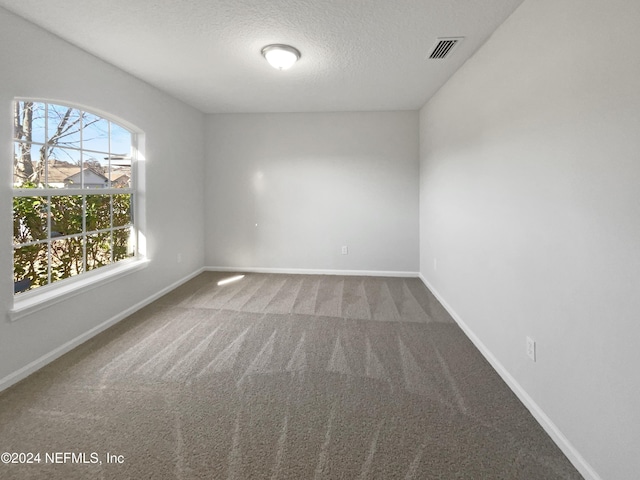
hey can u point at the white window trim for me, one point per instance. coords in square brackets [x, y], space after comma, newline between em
[43, 297]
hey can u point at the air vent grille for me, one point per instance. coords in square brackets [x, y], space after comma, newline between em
[443, 47]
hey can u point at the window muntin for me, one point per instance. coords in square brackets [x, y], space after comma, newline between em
[73, 195]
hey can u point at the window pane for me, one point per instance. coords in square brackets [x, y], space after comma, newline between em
[64, 125]
[30, 267]
[27, 170]
[120, 141]
[121, 210]
[66, 215]
[98, 213]
[29, 219]
[56, 236]
[96, 170]
[64, 168]
[29, 121]
[123, 244]
[66, 258]
[120, 177]
[95, 134]
[98, 250]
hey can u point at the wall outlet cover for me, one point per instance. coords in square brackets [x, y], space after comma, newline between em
[531, 348]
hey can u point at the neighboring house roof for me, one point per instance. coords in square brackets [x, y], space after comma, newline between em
[59, 173]
[120, 178]
[62, 173]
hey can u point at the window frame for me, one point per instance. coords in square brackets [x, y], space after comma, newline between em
[30, 301]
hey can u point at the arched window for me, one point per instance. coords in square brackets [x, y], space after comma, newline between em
[73, 194]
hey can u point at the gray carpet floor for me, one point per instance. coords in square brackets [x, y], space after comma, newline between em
[277, 377]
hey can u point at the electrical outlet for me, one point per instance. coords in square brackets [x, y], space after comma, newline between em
[531, 348]
[345, 250]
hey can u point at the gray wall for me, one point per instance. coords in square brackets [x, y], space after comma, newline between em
[38, 64]
[530, 203]
[289, 190]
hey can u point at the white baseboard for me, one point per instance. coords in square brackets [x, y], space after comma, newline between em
[311, 271]
[547, 424]
[37, 364]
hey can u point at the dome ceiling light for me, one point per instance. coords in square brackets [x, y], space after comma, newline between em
[280, 56]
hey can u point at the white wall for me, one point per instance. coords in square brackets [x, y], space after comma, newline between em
[37, 64]
[313, 183]
[530, 201]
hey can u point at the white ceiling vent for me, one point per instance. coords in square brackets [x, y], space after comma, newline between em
[443, 47]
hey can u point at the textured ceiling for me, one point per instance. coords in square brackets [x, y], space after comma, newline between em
[357, 55]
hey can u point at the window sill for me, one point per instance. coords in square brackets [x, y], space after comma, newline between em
[31, 302]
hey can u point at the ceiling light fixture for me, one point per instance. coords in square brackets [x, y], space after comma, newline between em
[280, 56]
